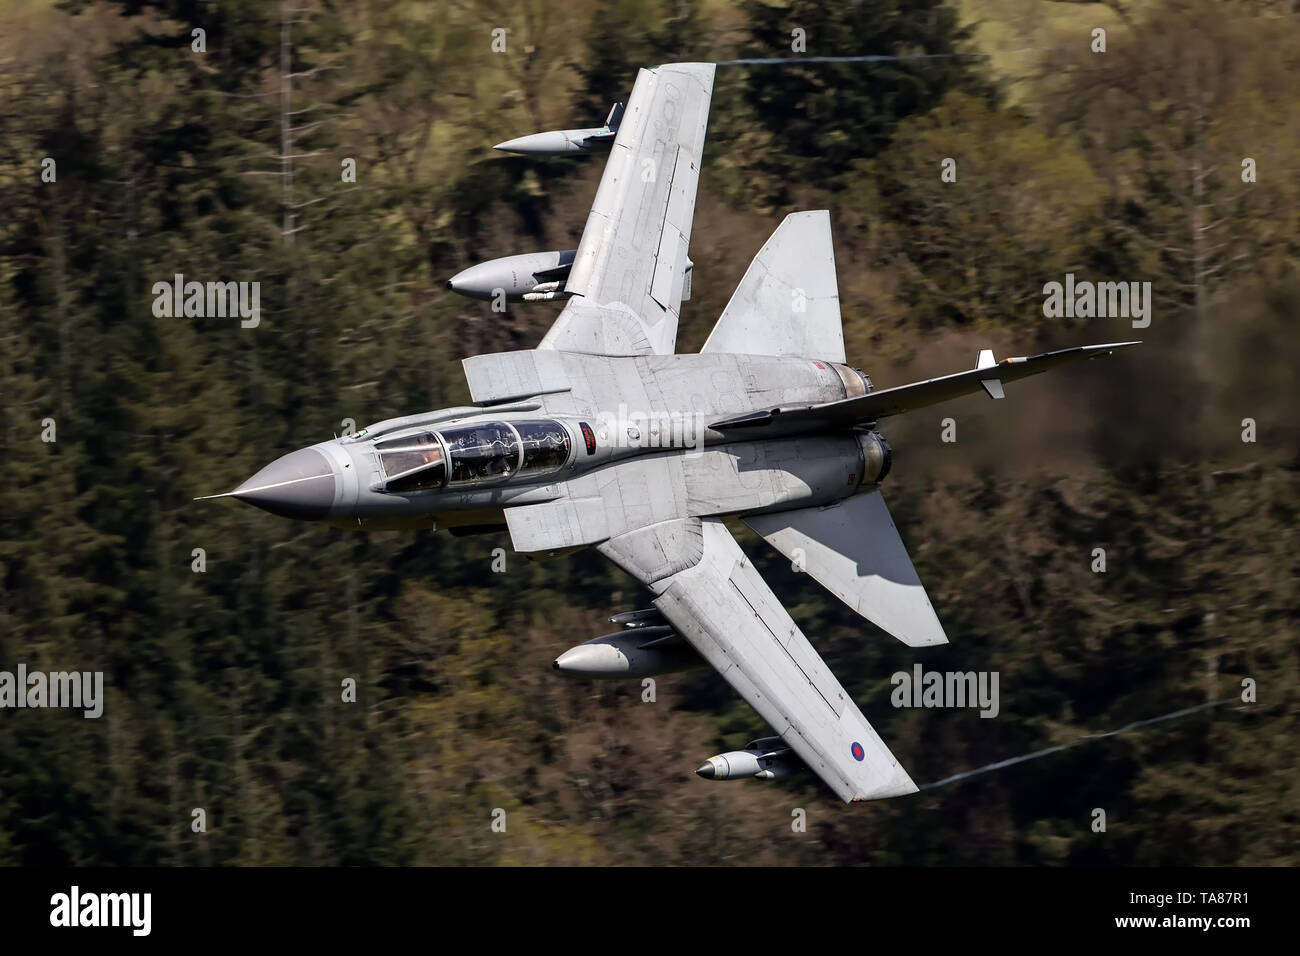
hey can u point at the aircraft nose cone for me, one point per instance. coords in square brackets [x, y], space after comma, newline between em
[576, 661]
[297, 485]
[707, 770]
[479, 281]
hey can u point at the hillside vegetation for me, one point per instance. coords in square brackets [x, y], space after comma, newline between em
[223, 687]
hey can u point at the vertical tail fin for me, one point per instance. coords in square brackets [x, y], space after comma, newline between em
[788, 303]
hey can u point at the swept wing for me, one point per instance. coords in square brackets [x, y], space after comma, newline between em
[987, 375]
[629, 275]
[715, 598]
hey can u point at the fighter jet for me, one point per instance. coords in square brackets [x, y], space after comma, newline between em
[604, 437]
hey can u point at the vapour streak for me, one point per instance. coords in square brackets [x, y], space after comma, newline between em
[879, 58]
[1074, 743]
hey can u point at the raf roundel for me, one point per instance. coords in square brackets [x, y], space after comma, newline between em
[857, 751]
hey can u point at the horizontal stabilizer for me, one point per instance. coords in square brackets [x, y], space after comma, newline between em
[788, 303]
[854, 551]
[873, 406]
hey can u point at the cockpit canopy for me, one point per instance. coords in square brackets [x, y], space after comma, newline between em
[413, 462]
[477, 452]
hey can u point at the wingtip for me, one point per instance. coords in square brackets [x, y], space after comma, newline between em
[900, 785]
[1107, 348]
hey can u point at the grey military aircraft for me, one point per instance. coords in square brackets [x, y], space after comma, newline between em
[603, 436]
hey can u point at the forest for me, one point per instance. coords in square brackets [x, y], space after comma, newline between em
[339, 154]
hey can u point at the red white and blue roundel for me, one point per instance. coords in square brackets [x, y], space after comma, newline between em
[857, 751]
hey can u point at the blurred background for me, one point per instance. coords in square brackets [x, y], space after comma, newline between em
[223, 687]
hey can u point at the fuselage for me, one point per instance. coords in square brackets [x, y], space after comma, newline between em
[462, 468]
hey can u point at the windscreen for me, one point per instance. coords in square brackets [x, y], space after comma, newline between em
[412, 463]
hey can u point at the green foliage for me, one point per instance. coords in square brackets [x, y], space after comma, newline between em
[823, 117]
[1014, 202]
[625, 35]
